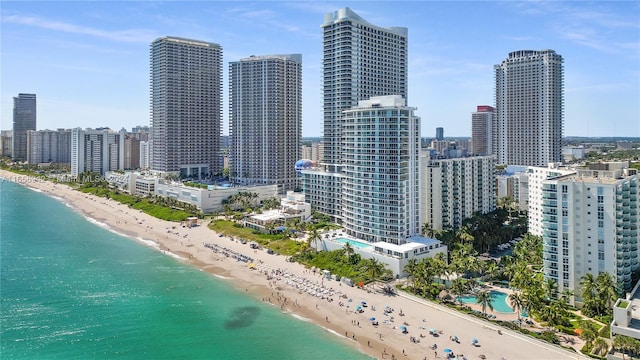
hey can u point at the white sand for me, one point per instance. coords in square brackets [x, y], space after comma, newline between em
[187, 245]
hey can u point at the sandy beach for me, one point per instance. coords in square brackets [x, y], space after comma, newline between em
[300, 292]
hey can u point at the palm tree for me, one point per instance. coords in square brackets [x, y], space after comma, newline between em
[606, 290]
[484, 299]
[313, 237]
[459, 286]
[374, 268]
[587, 288]
[491, 269]
[411, 270]
[567, 294]
[428, 230]
[589, 331]
[348, 249]
[600, 346]
[517, 302]
[550, 288]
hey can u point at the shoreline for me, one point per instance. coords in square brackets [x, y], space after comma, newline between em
[281, 283]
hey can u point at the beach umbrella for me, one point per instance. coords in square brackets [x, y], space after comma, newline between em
[372, 319]
[474, 341]
[403, 328]
[447, 351]
[433, 331]
[364, 303]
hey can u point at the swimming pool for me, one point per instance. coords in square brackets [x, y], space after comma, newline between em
[498, 300]
[353, 243]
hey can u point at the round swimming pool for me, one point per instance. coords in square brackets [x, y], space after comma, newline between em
[498, 301]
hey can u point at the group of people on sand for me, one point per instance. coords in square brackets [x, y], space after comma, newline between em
[228, 252]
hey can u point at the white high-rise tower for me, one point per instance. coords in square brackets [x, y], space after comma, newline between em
[529, 108]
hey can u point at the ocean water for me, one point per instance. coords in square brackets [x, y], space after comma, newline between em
[70, 289]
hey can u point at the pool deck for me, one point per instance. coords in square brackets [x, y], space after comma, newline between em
[566, 340]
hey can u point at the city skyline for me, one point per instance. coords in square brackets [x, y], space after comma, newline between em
[88, 62]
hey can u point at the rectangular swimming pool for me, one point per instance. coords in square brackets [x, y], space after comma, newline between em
[353, 243]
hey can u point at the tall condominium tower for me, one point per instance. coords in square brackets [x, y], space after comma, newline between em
[24, 119]
[529, 97]
[49, 146]
[381, 170]
[265, 120]
[440, 133]
[482, 130]
[590, 225]
[186, 106]
[360, 60]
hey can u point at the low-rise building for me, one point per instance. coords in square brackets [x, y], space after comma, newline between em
[394, 256]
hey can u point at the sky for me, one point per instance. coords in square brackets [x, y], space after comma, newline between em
[88, 61]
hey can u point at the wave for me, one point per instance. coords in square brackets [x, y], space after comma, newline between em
[301, 317]
[175, 256]
[221, 277]
[103, 225]
[149, 243]
[34, 189]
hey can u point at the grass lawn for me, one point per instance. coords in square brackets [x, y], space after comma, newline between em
[274, 242]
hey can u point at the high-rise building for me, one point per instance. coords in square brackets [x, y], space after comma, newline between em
[24, 119]
[360, 61]
[265, 120]
[6, 141]
[439, 133]
[455, 189]
[482, 130]
[96, 151]
[131, 152]
[590, 225]
[529, 95]
[381, 170]
[186, 106]
[535, 178]
[144, 155]
[49, 146]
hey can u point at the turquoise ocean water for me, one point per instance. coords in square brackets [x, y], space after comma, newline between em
[72, 290]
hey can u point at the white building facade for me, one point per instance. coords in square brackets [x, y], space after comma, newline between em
[265, 112]
[454, 189]
[97, 151]
[381, 170]
[360, 60]
[49, 146]
[590, 225]
[529, 93]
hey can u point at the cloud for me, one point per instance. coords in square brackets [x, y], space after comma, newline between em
[129, 35]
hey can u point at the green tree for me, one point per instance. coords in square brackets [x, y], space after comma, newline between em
[373, 268]
[517, 303]
[484, 299]
[313, 237]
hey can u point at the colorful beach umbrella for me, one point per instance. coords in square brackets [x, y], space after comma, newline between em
[447, 351]
[474, 341]
[403, 328]
[372, 319]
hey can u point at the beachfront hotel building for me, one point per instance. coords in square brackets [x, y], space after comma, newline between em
[24, 119]
[265, 120]
[96, 151]
[381, 170]
[455, 189]
[49, 146]
[186, 107]
[5, 142]
[482, 124]
[529, 95]
[360, 61]
[590, 225]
